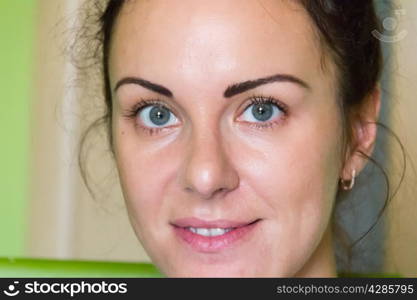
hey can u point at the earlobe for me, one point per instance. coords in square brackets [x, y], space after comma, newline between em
[351, 182]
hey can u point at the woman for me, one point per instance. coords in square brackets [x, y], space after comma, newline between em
[236, 125]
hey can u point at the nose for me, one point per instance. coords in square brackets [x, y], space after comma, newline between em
[208, 170]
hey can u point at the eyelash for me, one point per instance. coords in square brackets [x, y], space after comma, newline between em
[132, 113]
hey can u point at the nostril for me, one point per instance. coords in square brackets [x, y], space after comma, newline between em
[211, 195]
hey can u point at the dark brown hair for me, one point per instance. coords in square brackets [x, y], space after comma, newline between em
[344, 28]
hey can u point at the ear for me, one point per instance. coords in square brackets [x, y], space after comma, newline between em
[365, 131]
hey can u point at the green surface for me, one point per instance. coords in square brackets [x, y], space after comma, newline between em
[20, 267]
[16, 59]
[369, 275]
[10, 267]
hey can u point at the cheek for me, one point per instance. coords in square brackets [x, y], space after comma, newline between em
[144, 174]
[296, 168]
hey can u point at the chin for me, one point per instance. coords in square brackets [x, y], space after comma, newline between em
[221, 271]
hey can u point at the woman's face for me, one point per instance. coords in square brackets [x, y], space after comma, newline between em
[217, 185]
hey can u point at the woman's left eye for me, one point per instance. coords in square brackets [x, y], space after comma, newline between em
[262, 111]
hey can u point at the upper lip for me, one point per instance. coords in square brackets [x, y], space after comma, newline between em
[220, 223]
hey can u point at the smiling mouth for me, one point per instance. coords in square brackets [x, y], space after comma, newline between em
[209, 237]
[214, 231]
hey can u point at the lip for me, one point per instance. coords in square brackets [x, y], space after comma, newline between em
[221, 223]
[211, 244]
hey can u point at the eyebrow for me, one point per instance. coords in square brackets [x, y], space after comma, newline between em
[146, 84]
[231, 90]
[242, 87]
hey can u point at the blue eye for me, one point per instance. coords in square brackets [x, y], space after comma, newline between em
[262, 110]
[155, 116]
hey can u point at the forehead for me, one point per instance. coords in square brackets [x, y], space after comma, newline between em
[199, 40]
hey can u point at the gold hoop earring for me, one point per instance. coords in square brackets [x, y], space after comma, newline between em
[349, 186]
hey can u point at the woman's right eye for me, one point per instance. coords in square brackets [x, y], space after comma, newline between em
[156, 116]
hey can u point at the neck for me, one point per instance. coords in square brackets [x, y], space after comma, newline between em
[322, 262]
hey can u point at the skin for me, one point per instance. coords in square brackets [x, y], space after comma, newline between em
[212, 163]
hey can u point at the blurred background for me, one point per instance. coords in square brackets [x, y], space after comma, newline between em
[45, 209]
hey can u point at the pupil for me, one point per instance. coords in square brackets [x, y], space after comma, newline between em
[159, 115]
[262, 111]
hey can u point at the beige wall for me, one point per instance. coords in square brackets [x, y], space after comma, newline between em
[402, 233]
[66, 223]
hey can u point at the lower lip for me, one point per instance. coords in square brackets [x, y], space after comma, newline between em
[210, 244]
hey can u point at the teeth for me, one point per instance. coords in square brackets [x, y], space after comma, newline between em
[209, 231]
